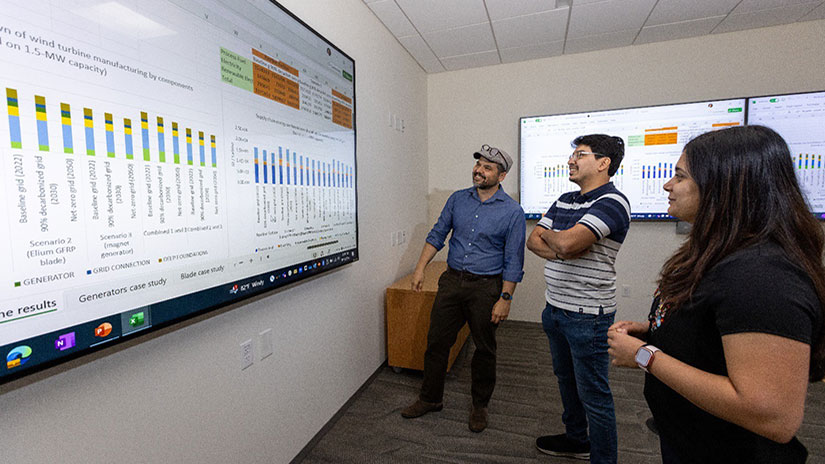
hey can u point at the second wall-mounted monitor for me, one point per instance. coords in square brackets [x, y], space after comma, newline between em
[653, 137]
[800, 119]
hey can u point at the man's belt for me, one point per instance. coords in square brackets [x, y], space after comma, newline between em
[469, 276]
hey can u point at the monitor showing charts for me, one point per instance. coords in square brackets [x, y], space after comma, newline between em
[162, 158]
[800, 120]
[653, 138]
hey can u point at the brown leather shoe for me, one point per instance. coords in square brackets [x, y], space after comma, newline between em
[419, 408]
[478, 419]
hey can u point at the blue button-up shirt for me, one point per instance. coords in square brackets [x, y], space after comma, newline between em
[487, 238]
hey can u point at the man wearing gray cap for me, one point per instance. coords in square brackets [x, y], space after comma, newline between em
[485, 261]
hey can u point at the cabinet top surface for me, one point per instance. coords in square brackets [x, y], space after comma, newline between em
[431, 274]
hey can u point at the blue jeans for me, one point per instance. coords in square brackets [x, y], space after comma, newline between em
[578, 344]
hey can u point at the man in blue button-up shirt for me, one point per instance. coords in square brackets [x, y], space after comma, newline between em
[485, 260]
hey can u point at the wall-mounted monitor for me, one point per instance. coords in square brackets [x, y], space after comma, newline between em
[159, 159]
[653, 137]
[800, 119]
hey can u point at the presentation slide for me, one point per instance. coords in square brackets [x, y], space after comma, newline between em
[653, 137]
[160, 158]
[800, 120]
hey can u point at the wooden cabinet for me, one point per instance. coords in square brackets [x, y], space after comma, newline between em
[408, 319]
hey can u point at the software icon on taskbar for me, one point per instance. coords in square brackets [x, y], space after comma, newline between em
[65, 341]
[18, 356]
[103, 330]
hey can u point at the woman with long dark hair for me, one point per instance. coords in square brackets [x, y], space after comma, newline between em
[737, 326]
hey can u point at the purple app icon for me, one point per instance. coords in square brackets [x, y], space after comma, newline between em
[64, 342]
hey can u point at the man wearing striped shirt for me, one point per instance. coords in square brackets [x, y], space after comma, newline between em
[580, 236]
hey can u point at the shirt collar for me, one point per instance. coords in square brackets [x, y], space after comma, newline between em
[498, 196]
[597, 191]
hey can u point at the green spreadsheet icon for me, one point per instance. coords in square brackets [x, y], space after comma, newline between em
[136, 319]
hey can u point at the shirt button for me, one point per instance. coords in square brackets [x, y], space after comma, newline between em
[476, 215]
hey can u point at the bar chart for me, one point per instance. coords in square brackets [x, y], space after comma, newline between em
[653, 178]
[618, 178]
[91, 119]
[298, 188]
[103, 190]
[556, 179]
[809, 170]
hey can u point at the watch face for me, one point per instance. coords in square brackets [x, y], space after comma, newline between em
[506, 296]
[643, 357]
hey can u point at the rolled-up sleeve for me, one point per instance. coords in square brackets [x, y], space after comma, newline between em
[514, 248]
[442, 227]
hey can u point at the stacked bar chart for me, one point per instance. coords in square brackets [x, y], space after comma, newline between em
[110, 135]
[66, 122]
[89, 125]
[109, 128]
[618, 178]
[14, 118]
[809, 170]
[116, 193]
[654, 176]
[144, 135]
[202, 149]
[297, 189]
[556, 178]
[176, 143]
[189, 159]
[161, 141]
[42, 127]
[127, 138]
[294, 169]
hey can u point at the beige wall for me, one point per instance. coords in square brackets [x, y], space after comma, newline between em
[180, 396]
[471, 107]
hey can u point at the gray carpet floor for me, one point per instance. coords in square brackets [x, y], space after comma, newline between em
[525, 404]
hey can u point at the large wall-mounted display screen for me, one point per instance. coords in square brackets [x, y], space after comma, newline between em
[159, 159]
[800, 120]
[653, 137]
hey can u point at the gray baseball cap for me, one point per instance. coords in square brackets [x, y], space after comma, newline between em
[495, 155]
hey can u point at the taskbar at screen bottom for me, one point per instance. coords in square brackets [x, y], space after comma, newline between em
[32, 354]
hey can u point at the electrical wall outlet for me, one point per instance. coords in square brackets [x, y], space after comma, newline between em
[247, 355]
[626, 291]
[266, 343]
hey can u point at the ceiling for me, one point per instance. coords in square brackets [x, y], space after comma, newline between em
[448, 35]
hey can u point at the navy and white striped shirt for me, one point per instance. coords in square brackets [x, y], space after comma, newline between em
[587, 283]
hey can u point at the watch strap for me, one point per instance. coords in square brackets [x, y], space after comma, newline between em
[652, 350]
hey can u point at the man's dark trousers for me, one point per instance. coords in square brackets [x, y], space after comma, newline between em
[462, 297]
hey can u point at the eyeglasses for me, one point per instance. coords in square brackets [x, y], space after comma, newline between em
[577, 155]
[493, 151]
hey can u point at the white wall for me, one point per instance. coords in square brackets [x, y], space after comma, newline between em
[471, 107]
[180, 396]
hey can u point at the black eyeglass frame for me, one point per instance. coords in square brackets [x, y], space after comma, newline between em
[581, 154]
